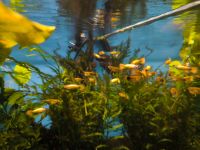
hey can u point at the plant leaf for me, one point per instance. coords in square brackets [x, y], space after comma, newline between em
[22, 74]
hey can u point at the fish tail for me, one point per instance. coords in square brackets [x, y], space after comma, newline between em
[142, 61]
[194, 70]
[121, 66]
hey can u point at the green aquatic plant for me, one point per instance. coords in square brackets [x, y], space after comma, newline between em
[17, 130]
[190, 24]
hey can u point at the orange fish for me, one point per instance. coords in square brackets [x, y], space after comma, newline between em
[140, 61]
[101, 52]
[113, 69]
[134, 78]
[52, 101]
[174, 92]
[187, 68]
[92, 80]
[168, 61]
[188, 78]
[160, 79]
[90, 73]
[123, 95]
[147, 68]
[194, 90]
[78, 79]
[127, 66]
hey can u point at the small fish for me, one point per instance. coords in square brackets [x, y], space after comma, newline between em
[147, 73]
[78, 79]
[135, 72]
[193, 70]
[102, 57]
[128, 66]
[114, 19]
[29, 113]
[101, 53]
[52, 101]
[115, 80]
[92, 80]
[115, 52]
[39, 110]
[90, 73]
[82, 35]
[174, 92]
[114, 69]
[168, 61]
[31, 55]
[147, 68]
[134, 78]
[194, 90]
[73, 86]
[160, 79]
[97, 56]
[150, 74]
[140, 61]
[188, 78]
[123, 95]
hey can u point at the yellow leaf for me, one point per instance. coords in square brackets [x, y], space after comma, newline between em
[17, 29]
[22, 74]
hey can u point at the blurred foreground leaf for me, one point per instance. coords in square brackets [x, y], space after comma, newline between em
[17, 29]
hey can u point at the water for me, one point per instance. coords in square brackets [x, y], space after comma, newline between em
[94, 18]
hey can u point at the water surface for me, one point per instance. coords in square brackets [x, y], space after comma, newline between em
[98, 17]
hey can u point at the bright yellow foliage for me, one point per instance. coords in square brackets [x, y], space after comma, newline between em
[190, 25]
[17, 29]
[22, 74]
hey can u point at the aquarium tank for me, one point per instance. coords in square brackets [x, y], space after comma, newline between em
[100, 75]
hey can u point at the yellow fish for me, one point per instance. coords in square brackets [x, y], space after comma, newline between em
[115, 80]
[113, 69]
[97, 56]
[39, 110]
[140, 61]
[174, 91]
[101, 52]
[115, 52]
[127, 66]
[188, 78]
[134, 78]
[52, 101]
[147, 68]
[89, 73]
[92, 80]
[187, 68]
[160, 79]
[73, 86]
[114, 19]
[194, 90]
[168, 61]
[78, 79]
[123, 95]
